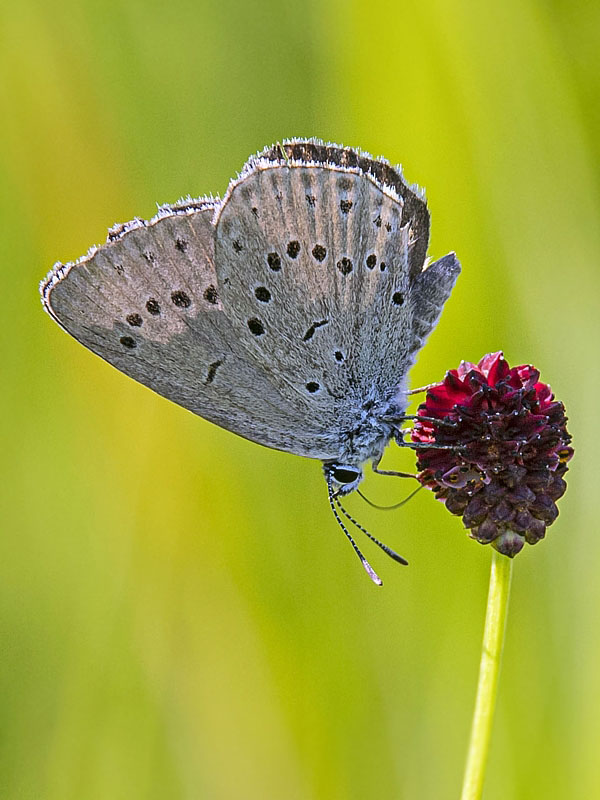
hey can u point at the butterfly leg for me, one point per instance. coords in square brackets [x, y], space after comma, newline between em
[456, 448]
[423, 388]
[442, 423]
[375, 466]
[393, 473]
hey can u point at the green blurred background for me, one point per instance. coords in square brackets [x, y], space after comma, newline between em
[180, 615]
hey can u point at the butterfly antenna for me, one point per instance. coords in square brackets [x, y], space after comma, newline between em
[390, 508]
[388, 550]
[368, 568]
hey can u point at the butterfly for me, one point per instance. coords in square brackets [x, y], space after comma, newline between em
[289, 311]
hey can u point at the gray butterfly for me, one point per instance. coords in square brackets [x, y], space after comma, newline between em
[289, 312]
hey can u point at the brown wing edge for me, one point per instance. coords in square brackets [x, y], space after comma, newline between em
[312, 151]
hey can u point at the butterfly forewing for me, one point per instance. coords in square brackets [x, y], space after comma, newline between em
[315, 263]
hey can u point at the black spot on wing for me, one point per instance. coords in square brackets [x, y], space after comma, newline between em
[256, 327]
[311, 331]
[211, 295]
[181, 299]
[319, 252]
[212, 371]
[153, 307]
[344, 265]
[262, 293]
[274, 261]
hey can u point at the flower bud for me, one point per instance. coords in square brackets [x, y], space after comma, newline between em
[505, 451]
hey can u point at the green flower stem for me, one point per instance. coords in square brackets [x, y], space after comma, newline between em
[493, 640]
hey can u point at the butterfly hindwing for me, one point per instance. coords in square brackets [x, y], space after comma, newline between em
[148, 302]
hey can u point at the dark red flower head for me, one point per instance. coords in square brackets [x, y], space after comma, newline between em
[508, 449]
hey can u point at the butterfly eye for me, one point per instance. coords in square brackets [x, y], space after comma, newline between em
[344, 474]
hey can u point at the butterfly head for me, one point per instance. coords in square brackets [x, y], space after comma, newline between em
[343, 478]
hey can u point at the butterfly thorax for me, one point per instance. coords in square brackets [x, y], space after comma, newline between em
[365, 440]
